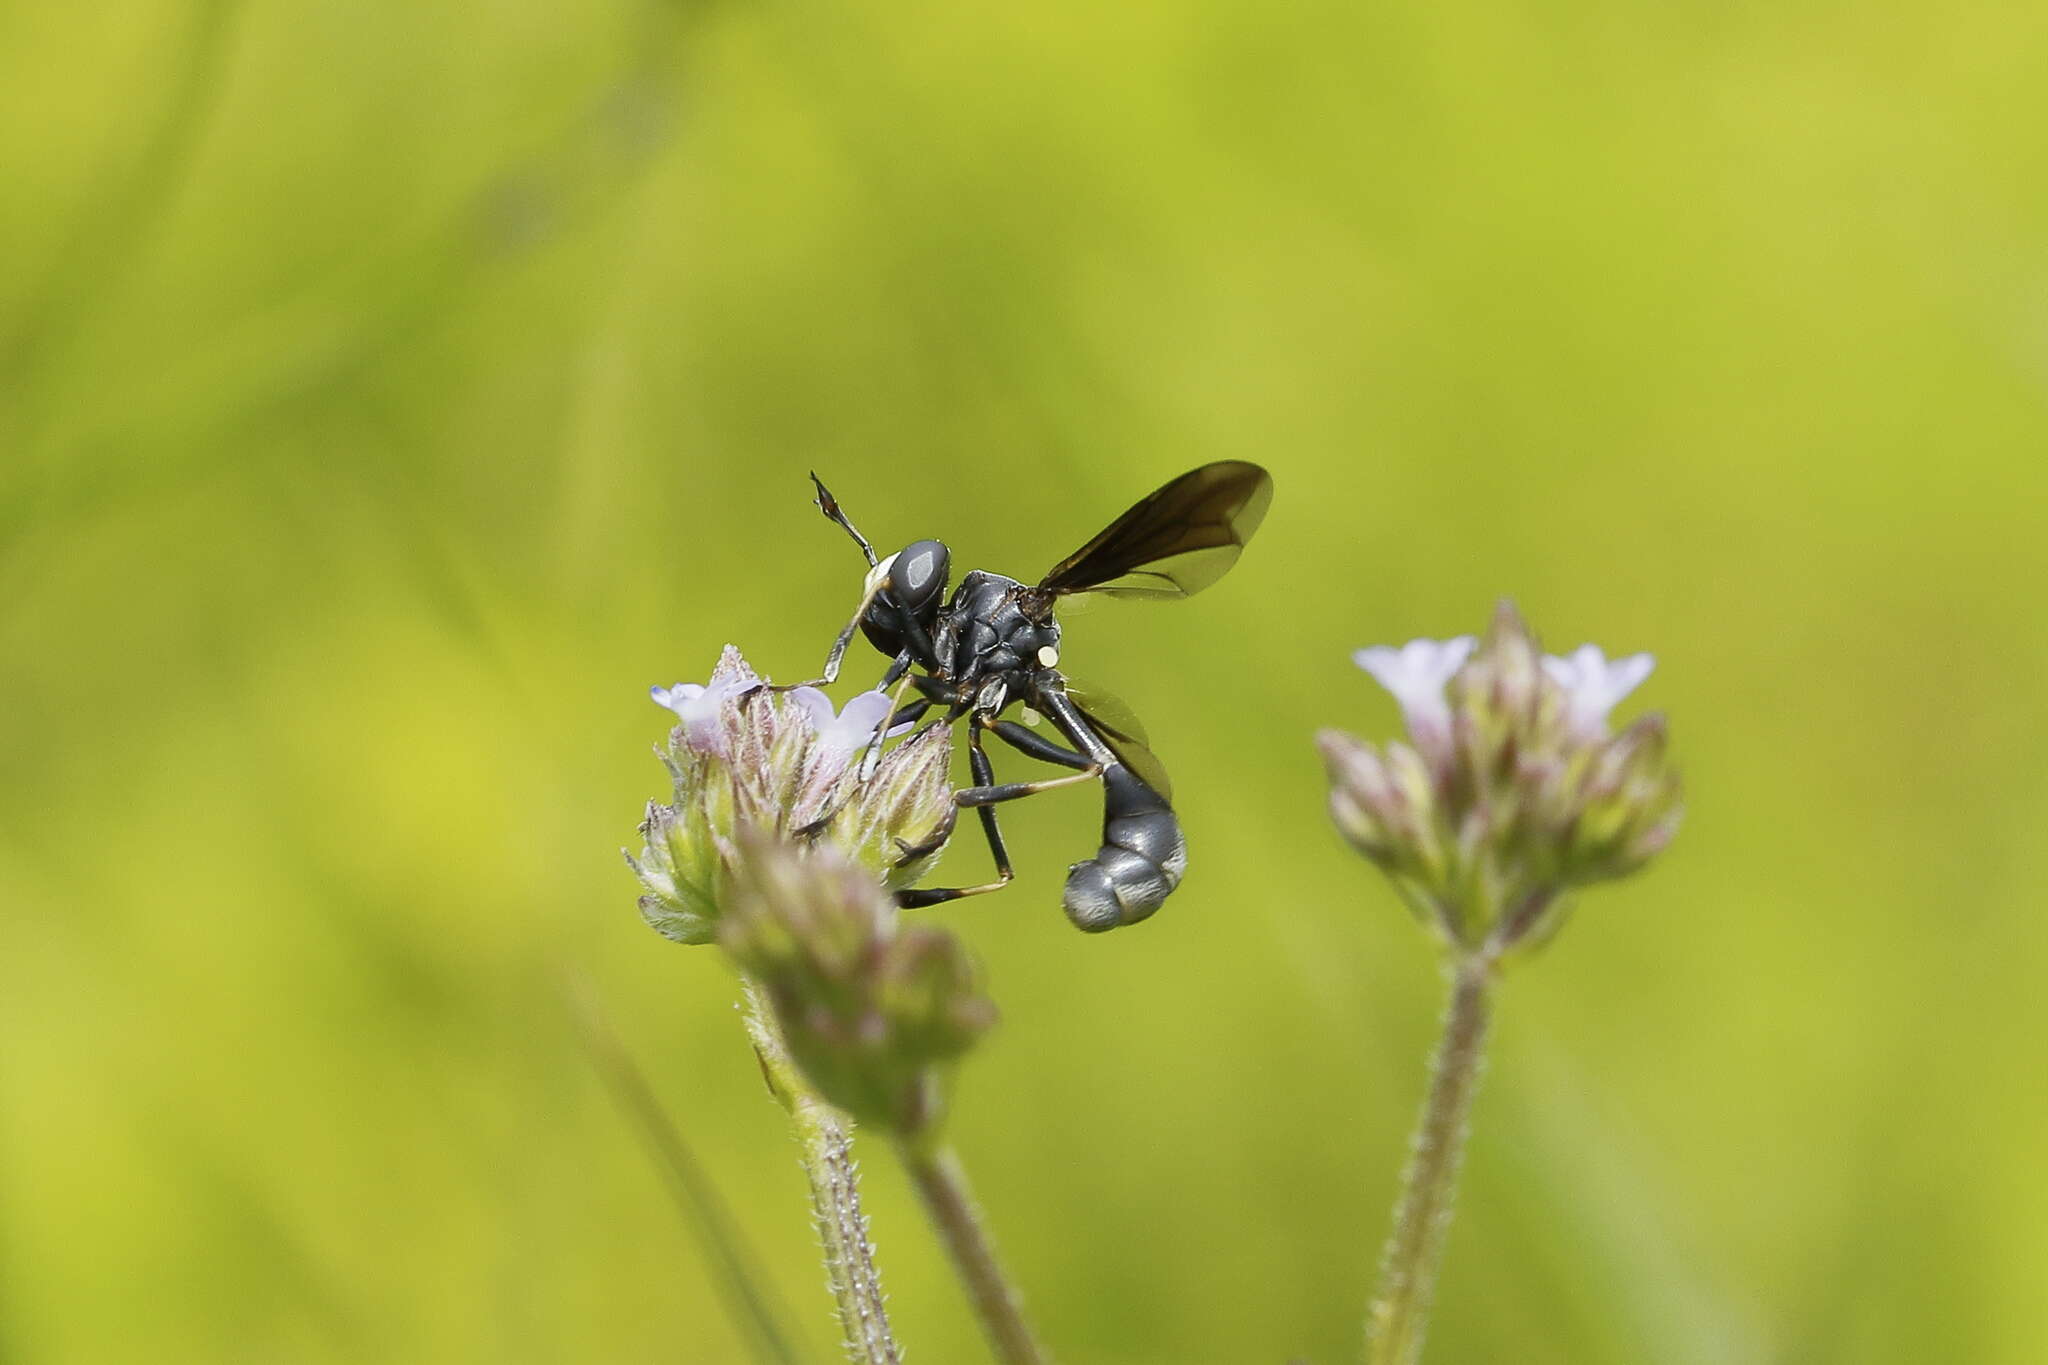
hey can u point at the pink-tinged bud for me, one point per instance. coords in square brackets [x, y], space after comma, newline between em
[1512, 661]
[1368, 807]
[1630, 805]
[875, 1013]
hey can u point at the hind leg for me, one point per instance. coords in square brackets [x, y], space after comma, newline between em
[982, 798]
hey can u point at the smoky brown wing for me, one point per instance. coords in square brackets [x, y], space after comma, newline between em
[1175, 542]
[1120, 728]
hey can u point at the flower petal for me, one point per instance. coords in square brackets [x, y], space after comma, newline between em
[1594, 684]
[814, 704]
[859, 719]
[1415, 674]
[675, 697]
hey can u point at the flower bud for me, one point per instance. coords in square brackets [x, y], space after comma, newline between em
[1630, 805]
[1503, 706]
[1363, 800]
[743, 757]
[874, 1012]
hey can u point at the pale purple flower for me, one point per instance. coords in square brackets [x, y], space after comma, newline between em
[1416, 673]
[856, 722]
[746, 757]
[677, 697]
[700, 707]
[1594, 684]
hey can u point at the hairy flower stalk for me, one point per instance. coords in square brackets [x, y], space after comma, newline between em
[1510, 794]
[760, 777]
[876, 1014]
[836, 1215]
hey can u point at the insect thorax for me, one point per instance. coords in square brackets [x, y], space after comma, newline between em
[991, 636]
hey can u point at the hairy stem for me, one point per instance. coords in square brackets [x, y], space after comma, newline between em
[835, 1193]
[942, 1185]
[1422, 1217]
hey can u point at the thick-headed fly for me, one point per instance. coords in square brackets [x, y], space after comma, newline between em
[995, 643]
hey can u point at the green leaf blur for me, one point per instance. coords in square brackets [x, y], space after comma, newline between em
[390, 393]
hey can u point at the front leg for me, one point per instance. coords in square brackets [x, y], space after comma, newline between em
[878, 582]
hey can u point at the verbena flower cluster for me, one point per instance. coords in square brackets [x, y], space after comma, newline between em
[788, 828]
[745, 758]
[1511, 789]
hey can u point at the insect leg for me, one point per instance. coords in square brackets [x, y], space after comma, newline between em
[936, 689]
[994, 793]
[898, 666]
[1024, 741]
[877, 583]
[982, 798]
[984, 776]
[916, 643]
[911, 714]
[873, 754]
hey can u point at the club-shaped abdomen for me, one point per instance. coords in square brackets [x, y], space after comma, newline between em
[1139, 864]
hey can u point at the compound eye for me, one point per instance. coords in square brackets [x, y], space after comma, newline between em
[919, 575]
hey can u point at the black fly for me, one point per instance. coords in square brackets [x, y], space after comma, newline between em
[995, 643]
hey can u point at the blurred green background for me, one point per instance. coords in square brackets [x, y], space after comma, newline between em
[389, 394]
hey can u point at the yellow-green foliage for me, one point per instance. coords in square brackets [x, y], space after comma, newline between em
[390, 393]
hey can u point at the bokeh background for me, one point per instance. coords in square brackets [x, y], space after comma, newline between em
[389, 394]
